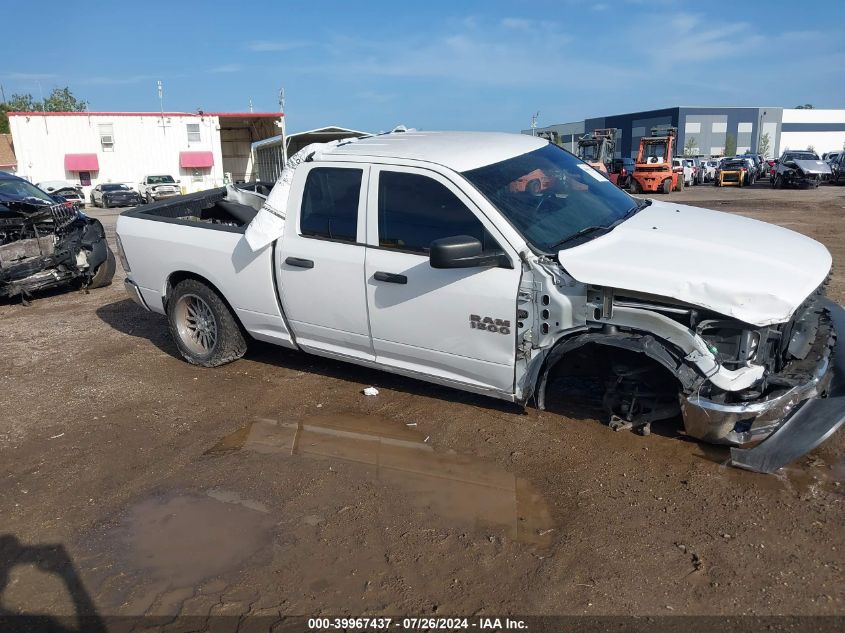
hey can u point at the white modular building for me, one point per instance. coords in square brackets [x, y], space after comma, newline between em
[201, 150]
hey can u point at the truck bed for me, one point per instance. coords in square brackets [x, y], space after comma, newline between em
[206, 209]
[202, 235]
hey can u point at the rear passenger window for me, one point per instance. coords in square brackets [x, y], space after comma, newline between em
[330, 203]
[415, 210]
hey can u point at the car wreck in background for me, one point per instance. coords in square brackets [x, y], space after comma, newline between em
[799, 169]
[46, 242]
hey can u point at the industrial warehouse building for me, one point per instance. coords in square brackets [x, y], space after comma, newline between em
[704, 131]
[201, 150]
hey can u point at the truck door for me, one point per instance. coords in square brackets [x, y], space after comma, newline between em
[456, 325]
[321, 260]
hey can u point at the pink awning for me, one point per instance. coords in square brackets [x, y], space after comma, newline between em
[81, 162]
[196, 159]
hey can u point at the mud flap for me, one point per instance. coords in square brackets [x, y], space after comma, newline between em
[813, 422]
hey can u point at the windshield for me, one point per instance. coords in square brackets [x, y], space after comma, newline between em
[115, 188]
[654, 152]
[800, 156]
[588, 152]
[14, 189]
[158, 180]
[548, 195]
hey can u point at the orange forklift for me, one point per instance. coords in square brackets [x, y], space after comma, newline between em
[596, 148]
[653, 171]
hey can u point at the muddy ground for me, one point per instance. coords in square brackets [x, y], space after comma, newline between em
[145, 485]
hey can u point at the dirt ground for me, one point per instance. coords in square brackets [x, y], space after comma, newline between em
[134, 483]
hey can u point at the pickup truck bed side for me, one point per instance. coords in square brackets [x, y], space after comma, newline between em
[215, 252]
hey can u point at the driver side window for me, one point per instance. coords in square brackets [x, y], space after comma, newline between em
[415, 210]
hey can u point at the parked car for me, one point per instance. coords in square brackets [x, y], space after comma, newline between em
[681, 165]
[831, 156]
[837, 169]
[415, 255]
[751, 171]
[621, 170]
[46, 242]
[112, 194]
[67, 190]
[697, 172]
[799, 169]
[759, 170]
[158, 187]
[709, 166]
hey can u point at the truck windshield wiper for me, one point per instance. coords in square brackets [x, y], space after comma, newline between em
[581, 233]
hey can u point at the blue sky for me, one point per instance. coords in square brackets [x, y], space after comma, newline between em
[432, 65]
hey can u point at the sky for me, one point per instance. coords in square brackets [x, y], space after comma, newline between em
[438, 64]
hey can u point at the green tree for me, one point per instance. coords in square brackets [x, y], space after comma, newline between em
[730, 145]
[60, 100]
[690, 146]
[764, 145]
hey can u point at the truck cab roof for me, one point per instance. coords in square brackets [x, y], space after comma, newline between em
[459, 151]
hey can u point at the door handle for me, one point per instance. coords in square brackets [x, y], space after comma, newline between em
[391, 278]
[301, 263]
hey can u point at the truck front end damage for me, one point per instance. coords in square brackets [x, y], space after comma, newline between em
[780, 387]
[42, 246]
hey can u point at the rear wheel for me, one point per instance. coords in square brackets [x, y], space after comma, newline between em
[681, 184]
[202, 325]
[667, 185]
[777, 183]
[634, 186]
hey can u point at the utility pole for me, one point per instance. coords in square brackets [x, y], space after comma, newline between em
[161, 103]
[534, 123]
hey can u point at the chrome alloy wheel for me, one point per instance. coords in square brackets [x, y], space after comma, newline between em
[196, 324]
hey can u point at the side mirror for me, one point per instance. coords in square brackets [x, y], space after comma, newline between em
[463, 251]
[178, 181]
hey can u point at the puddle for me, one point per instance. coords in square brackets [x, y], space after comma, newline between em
[453, 487]
[169, 539]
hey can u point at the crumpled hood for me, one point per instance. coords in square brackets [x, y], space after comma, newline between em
[746, 269]
[812, 166]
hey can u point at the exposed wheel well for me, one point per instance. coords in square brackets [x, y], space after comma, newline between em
[606, 368]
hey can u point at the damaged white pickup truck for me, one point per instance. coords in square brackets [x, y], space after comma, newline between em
[499, 264]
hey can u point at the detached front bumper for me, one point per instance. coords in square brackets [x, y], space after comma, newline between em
[790, 424]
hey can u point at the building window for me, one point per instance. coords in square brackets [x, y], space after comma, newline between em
[106, 136]
[85, 178]
[194, 133]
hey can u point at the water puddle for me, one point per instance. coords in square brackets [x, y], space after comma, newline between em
[454, 487]
[169, 539]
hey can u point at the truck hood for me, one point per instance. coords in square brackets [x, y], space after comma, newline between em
[742, 268]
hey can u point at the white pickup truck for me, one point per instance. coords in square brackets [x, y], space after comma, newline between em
[503, 265]
[158, 187]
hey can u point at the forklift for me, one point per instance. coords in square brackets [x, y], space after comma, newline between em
[653, 171]
[596, 148]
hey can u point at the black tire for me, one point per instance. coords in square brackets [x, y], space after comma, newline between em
[634, 186]
[104, 273]
[681, 185]
[149, 198]
[105, 203]
[777, 183]
[228, 344]
[667, 185]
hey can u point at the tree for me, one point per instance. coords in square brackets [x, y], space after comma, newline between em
[690, 146]
[730, 145]
[60, 100]
[806, 106]
[810, 148]
[764, 145]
